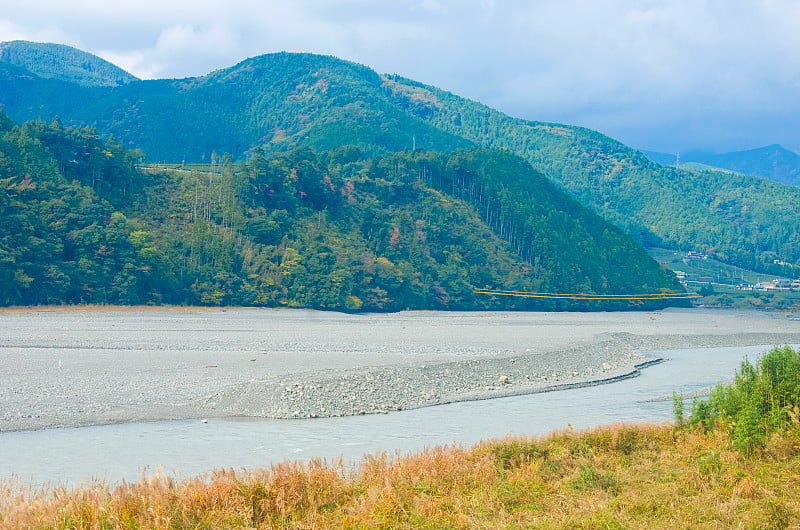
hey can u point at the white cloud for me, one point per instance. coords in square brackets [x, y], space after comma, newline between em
[9, 30]
[634, 69]
[132, 62]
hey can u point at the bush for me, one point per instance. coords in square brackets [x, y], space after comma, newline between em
[760, 400]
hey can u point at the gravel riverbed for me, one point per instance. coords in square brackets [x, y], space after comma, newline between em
[78, 367]
[384, 389]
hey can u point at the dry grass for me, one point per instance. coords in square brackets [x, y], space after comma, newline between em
[619, 476]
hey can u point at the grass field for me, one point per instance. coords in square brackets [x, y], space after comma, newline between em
[620, 476]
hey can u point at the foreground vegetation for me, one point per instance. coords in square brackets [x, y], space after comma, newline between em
[734, 463]
[623, 476]
[762, 400]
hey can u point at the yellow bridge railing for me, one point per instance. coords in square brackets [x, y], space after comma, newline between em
[587, 296]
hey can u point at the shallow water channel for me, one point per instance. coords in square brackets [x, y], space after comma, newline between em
[188, 448]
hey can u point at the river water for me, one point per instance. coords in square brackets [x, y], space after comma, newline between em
[188, 448]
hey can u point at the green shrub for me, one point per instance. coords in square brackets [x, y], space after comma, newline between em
[758, 402]
[678, 408]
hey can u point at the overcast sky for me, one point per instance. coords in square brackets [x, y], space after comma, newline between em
[666, 75]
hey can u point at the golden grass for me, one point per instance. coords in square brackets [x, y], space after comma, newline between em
[618, 476]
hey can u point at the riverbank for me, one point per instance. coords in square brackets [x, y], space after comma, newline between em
[63, 368]
[620, 476]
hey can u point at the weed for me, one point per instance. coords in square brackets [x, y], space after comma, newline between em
[588, 478]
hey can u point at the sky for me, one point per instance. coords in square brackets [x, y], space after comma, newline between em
[663, 75]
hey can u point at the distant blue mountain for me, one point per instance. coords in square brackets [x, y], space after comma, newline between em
[772, 162]
[665, 159]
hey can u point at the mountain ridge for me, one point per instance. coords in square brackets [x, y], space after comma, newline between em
[773, 162]
[282, 101]
[59, 61]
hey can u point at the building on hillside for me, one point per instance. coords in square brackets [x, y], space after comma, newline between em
[695, 255]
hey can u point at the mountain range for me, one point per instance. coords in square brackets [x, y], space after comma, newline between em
[279, 103]
[772, 162]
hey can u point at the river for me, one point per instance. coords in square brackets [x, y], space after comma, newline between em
[190, 447]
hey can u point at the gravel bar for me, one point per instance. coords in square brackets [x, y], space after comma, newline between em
[385, 389]
[76, 367]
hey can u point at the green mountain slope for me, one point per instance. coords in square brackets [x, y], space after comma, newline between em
[746, 220]
[333, 230]
[57, 61]
[281, 101]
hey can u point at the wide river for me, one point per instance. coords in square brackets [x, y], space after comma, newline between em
[190, 447]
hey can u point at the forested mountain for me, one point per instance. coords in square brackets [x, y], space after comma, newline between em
[57, 61]
[281, 101]
[772, 162]
[337, 229]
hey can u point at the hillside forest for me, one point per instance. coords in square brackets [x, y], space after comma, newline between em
[335, 229]
[285, 101]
